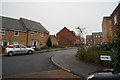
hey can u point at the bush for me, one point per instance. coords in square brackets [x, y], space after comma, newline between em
[92, 54]
[81, 54]
[44, 47]
[37, 49]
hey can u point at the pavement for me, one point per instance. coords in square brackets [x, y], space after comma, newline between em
[72, 64]
[53, 74]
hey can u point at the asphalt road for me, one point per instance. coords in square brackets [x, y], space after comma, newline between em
[37, 62]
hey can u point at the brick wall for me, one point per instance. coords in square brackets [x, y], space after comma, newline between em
[107, 29]
[37, 37]
[9, 35]
[66, 37]
[22, 38]
[117, 14]
[54, 41]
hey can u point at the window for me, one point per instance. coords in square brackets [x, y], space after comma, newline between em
[42, 34]
[111, 29]
[110, 21]
[16, 33]
[115, 19]
[2, 32]
[15, 43]
[32, 33]
[16, 46]
[21, 46]
[41, 43]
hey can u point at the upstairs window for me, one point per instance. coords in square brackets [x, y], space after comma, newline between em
[110, 21]
[110, 29]
[42, 34]
[16, 33]
[32, 33]
[2, 32]
[115, 19]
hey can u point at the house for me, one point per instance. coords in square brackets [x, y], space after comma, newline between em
[94, 39]
[22, 31]
[89, 40]
[54, 40]
[97, 37]
[107, 29]
[37, 35]
[12, 32]
[109, 24]
[66, 37]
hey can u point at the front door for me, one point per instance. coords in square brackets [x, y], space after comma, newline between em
[35, 43]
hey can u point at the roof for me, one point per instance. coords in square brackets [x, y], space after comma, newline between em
[52, 36]
[66, 29]
[34, 26]
[12, 24]
[116, 9]
[97, 33]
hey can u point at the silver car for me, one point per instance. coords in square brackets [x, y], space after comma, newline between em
[18, 49]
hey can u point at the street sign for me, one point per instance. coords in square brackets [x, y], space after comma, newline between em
[104, 57]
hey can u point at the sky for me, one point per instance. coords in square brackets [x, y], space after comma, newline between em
[56, 15]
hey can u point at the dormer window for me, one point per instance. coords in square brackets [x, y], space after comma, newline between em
[16, 33]
[2, 32]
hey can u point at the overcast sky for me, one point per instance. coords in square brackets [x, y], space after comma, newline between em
[56, 15]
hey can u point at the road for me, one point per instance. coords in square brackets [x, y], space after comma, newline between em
[37, 62]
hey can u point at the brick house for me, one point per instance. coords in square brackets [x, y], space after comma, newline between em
[37, 35]
[94, 39]
[89, 40]
[109, 24]
[97, 38]
[115, 18]
[107, 29]
[23, 31]
[66, 37]
[54, 40]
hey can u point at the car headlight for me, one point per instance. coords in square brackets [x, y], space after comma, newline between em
[90, 76]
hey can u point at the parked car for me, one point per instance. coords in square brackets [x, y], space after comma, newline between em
[106, 74]
[18, 49]
[104, 46]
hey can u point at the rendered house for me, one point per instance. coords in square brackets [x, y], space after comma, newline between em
[23, 31]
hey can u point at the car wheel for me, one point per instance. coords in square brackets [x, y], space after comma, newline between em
[10, 53]
[30, 52]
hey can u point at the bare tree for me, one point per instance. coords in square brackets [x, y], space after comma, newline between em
[81, 33]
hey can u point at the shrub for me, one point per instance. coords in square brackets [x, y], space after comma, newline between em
[44, 47]
[92, 54]
[49, 42]
[81, 54]
[37, 49]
